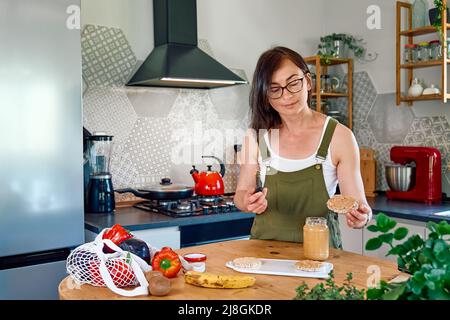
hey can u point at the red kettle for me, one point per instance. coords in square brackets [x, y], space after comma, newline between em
[209, 183]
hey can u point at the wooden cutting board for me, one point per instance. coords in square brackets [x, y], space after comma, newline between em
[368, 171]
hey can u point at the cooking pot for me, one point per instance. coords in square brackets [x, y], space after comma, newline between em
[164, 190]
[400, 177]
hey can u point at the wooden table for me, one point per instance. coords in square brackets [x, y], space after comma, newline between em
[267, 287]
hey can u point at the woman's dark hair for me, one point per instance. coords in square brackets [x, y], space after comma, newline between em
[262, 114]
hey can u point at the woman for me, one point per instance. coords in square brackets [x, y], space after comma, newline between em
[301, 156]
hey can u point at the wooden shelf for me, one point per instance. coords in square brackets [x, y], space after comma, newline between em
[406, 72]
[321, 69]
[333, 61]
[331, 95]
[420, 31]
[423, 97]
[423, 64]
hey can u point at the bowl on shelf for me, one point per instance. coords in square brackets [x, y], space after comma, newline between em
[400, 177]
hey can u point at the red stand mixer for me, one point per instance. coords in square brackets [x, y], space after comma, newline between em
[427, 184]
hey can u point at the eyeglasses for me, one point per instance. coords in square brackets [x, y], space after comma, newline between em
[293, 87]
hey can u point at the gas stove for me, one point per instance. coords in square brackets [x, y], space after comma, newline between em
[195, 206]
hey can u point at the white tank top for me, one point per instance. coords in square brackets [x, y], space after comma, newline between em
[291, 165]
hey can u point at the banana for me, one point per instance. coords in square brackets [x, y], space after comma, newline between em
[211, 280]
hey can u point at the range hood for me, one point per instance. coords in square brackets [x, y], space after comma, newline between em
[176, 61]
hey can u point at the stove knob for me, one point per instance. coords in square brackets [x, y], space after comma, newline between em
[205, 210]
[215, 209]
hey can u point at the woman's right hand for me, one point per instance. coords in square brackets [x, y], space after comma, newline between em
[255, 202]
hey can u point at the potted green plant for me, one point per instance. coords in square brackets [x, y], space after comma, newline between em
[435, 14]
[337, 45]
[427, 262]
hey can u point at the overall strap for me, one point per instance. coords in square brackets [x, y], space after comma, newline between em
[265, 153]
[326, 139]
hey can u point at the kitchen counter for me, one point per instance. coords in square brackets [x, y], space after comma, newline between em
[135, 219]
[267, 287]
[408, 210]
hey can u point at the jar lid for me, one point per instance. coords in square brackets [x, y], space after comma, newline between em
[409, 45]
[423, 44]
[435, 42]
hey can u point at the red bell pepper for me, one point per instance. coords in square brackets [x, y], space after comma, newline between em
[117, 234]
[167, 262]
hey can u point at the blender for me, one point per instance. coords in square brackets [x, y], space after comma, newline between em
[100, 192]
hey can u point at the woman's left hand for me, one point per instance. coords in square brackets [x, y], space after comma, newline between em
[358, 218]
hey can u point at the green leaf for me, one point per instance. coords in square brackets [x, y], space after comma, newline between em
[374, 244]
[374, 293]
[443, 228]
[386, 238]
[395, 292]
[373, 228]
[439, 246]
[382, 220]
[395, 251]
[400, 233]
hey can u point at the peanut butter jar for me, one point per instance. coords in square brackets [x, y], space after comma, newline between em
[316, 238]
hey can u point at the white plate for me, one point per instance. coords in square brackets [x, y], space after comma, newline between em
[284, 268]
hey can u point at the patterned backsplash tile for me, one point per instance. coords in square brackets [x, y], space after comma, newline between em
[158, 132]
[161, 132]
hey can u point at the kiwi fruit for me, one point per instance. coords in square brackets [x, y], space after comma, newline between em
[159, 286]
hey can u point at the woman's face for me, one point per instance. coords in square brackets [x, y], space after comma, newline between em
[280, 98]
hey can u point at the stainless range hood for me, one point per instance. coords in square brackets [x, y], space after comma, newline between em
[176, 61]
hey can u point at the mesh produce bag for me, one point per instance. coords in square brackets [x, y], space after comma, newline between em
[88, 264]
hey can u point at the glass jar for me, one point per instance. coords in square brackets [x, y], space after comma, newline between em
[409, 53]
[316, 239]
[435, 50]
[423, 51]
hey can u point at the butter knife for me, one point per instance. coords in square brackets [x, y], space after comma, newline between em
[259, 187]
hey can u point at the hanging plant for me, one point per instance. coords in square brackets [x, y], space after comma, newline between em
[440, 8]
[335, 45]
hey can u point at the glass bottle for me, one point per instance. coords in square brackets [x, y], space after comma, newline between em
[419, 9]
[435, 50]
[316, 237]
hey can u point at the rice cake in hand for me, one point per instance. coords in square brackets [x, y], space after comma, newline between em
[342, 204]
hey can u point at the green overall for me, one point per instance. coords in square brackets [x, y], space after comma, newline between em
[293, 196]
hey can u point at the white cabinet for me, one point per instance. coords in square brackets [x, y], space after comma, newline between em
[352, 239]
[161, 237]
[158, 238]
[414, 227]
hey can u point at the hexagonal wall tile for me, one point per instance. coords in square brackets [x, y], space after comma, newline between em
[124, 173]
[231, 102]
[149, 148]
[364, 94]
[109, 110]
[106, 55]
[152, 101]
[431, 132]
[382, 156]
[364, 135]
[389, 123]
[192, 106]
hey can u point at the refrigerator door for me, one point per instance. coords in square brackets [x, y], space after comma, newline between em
[41, 165]
[38, 282]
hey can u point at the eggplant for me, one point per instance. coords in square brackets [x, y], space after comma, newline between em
[137, 247]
